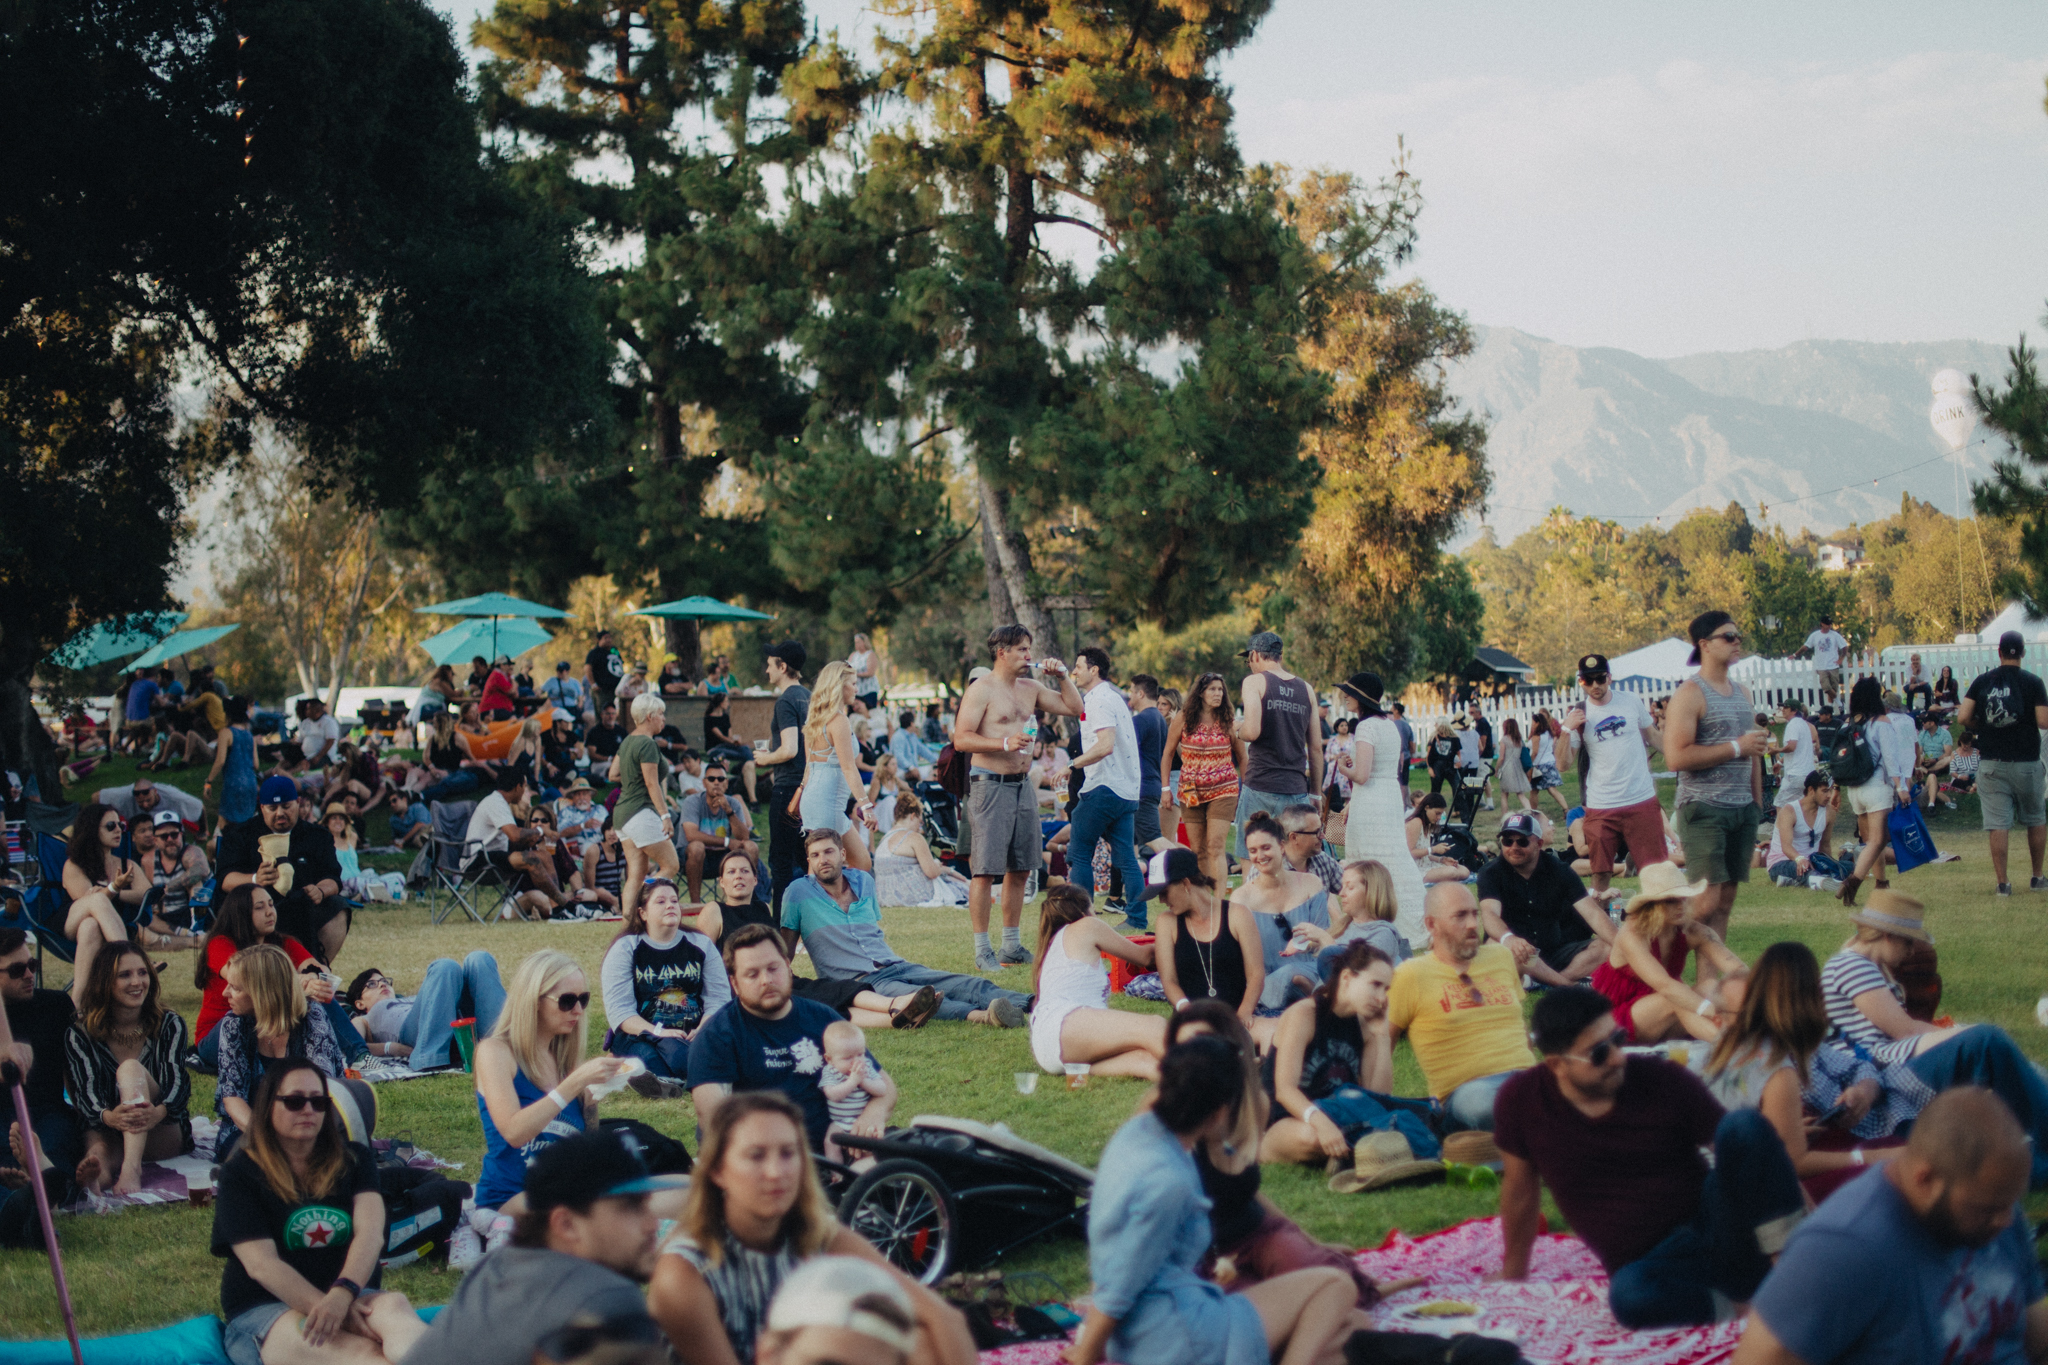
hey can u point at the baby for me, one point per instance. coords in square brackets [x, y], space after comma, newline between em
[849, 1081]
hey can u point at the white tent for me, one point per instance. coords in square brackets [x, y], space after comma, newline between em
[1664, 661]
[2014, 617]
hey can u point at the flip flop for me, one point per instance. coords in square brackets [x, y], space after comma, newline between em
[923, 1005]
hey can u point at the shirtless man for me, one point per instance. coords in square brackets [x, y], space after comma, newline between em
[1002, 807]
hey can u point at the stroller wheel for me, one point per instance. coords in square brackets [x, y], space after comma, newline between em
[907, 1212]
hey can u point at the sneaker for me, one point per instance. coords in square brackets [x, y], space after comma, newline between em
[1019, 956]
[985, 960]
[1785, 881]
[2005, 888]
[647, 1085]
[499, 1235]
[1006, 1014]
[1129, 925]
[2038, 884]
[1950, 804]
[465, 1248]
[1828, 884]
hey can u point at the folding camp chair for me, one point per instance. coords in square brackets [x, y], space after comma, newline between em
[454, 873]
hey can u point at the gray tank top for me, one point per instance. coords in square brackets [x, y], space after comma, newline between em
[1277, 761]
[1723, 719]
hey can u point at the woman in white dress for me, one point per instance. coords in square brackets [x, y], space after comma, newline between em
[1376, 825]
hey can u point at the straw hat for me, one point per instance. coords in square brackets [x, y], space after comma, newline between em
[1472, 1147]
[1381, 1159]
[1664, 882]
[1890, 912]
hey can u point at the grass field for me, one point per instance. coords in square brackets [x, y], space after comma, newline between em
[148, 1267]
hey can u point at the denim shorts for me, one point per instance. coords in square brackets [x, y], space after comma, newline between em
[243, 1336]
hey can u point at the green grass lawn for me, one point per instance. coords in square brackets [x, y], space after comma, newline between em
[148, 1267]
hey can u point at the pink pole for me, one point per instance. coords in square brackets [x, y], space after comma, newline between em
[11, 1075]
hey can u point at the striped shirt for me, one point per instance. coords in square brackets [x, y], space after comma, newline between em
[743, 1281]
[1846, 976]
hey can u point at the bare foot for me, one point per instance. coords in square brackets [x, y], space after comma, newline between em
[20, 1150]
[89, 1171]
[128, 1182]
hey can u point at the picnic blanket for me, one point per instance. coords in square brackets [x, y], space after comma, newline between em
[1558, 1315]
[172, 1181]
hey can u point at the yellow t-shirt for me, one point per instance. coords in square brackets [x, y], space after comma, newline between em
[206, 708]
[1456, 1038]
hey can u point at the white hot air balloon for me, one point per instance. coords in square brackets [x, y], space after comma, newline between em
[1954, 414]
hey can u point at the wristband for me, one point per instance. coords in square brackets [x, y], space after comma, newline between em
[1736, 745]
[1858, 1157]
[355, 1291]
[561, 1100]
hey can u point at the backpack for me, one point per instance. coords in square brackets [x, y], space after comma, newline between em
[662, 1153]
[1850, 759]
[421, 1212]
[951, 771]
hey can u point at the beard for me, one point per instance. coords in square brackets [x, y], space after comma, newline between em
[1941, 1224]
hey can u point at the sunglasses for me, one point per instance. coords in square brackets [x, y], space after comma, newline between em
[111, 824]
[1514, 840]
[299, 1103]
[1317, 832]
[1478, 996]
[566, 1002]
[1598, 1054]
[18, 970]
[1734, 639]
[719, 778]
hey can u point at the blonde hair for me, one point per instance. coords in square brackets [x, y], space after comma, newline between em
[263, 972]
[844, 1031]
[519, 1021]
[828, 699]
[806, 1229]
[530, 727]
[645, 705]
[1380, 901]
[1652, 918]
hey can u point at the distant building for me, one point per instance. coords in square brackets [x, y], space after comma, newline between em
[1840, 554]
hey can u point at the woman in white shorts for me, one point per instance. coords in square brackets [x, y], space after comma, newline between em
[641, 816]
[1889, 784]
[1072, 1020]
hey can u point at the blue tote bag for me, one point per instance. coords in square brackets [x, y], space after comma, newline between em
[1912, 845]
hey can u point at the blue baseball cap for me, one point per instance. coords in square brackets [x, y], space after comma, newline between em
[277, 791]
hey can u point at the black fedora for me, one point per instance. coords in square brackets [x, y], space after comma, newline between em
[1367, 690]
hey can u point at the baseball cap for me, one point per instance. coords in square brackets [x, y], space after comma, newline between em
[2012, 645]
[166, 817]
[977, 673]
[1265, 642]
[1168, 866]
[561, 665]
[792, 653]
[1592, 666]
[847, 1293]
[578, 1171]
[1522, 822]
[277, 791]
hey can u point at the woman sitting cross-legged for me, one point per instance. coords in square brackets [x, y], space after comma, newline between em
[300, 1219]
[755, 1213]
[268, 1021]
[1208, 947]
[1148, 1230]
[1072, 1021]
[660, 983]
[125, 1059]
[1252, 1240]
[1333, 1068]
[1644, 970]
[420, 1028]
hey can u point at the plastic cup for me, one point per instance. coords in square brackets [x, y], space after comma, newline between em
[465, 1042]
[1027, 1081]
[198, 1194]
[1077, 1075]
[1681, 1053]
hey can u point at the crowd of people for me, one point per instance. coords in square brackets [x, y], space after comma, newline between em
[1688, 1123]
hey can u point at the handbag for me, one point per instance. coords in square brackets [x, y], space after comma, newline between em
[1911, 842]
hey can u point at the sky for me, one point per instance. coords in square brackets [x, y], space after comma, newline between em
[1673, 179]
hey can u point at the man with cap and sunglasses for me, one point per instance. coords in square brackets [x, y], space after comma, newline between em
[305, 882]
[1536, 906]
[1613, 734]
[1282, 734]
[2007, 708]
[579, 1253]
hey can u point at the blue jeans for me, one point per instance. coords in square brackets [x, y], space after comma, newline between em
[1748, 1207]
[1357, 1111]
[963, 994]
[426, 1030]
[1102, 814]
[1984, 1055]
[1471, 1104]
[455, 784]
[1818, 863]
[665, 1057]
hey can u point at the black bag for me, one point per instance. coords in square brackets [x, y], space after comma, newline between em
[1850, 760]
[662, 1153]
[421, 1212]
[1420, 1348]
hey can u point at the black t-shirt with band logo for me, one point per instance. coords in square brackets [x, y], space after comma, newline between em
[312, 1236]
[2004, 715]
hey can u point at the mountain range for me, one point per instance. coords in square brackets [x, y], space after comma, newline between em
[1817, 435]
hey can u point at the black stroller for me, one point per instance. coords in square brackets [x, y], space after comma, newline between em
[952, 1194]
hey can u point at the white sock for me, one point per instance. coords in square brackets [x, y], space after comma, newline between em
[1010, 936]
[981, 944]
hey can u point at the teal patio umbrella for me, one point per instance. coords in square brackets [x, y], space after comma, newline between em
[115, 639]
[494, 605]
[184, 642]
[705, 609]
[489, 636]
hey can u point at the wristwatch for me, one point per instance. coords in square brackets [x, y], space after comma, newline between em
[355, 1291]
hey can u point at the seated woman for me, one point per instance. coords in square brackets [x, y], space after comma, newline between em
[532, 1080]
[1072, 1020]
[300, 1219]
[124, 1056]
[1364, 913]
[734, 905]
[604, 866]
[1253, 1241]
[1333, 1069]
[1643, 971]
[1207, 948]
[1866, 1004]
[660, 982]
[1148, 1230]
[106, 890]
[718, 741]
[755, 1213]
[419, 1027]
[243, 917]
[1279, 899]
[906, 873]
[450, 770]
[267, 1021]
[1424, 821]
[527, 755]
[346, 849]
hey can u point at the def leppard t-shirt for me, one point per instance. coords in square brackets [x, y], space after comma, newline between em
[312, 1236]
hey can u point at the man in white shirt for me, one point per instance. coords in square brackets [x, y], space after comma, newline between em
[496, 836]
[1827, 647]
[318, 733]
[1109, 794]
[1614, 732]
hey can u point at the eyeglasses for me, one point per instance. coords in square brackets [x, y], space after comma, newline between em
[1514, 840]
[1598, 1054]
[567, 1003]
[1478, 996]
[297, 1103]
[18, 970]
[373, 982]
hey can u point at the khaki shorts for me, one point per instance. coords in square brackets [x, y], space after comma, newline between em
[1006, 832]
[1830, 679]
[2010, 794]
[1719, 841]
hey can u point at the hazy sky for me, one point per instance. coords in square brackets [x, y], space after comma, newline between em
[1670, 179]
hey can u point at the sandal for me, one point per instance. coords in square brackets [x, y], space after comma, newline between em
[923, 1005]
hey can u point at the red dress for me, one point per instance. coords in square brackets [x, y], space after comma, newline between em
[1624, 987]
